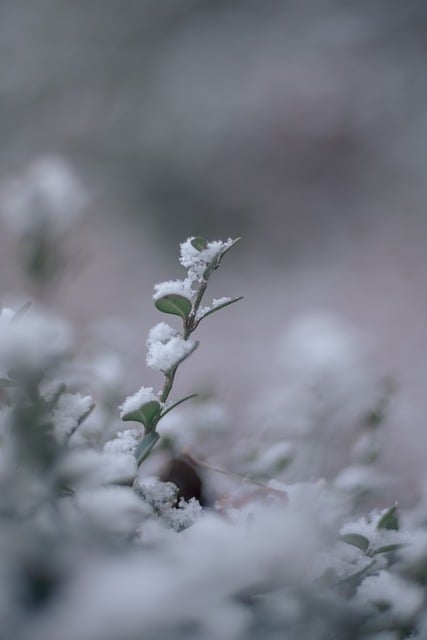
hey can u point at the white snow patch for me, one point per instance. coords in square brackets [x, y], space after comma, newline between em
[196, 261]
[166, 347]
[135, 401]
[173, 287]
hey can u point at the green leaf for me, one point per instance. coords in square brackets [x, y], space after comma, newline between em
[356, 539]
[175, 404]
[389, 520]
[221, 306]
[175, 304]
[199, 243]
[146, 414]
[146, 445]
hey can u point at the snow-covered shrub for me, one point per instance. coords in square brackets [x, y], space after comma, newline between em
[97, 544]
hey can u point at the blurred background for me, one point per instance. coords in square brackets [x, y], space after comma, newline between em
[299, 125]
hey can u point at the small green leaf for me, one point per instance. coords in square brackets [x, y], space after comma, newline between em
[146, 414]
[175, 304]
[175, 404]
[199, 243]
[389, 519]
[356, 539]
[146, 445]
[221, 306]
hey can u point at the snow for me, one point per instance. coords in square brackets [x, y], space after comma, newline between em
[90, 468]
[377, 538]
[33, 342]
[402, 597]
[196, 261]
[216, 302]
[112, 508]
[166, 347]
[125, 442]
[173, 287]
[69, 409]
[47, 195]
[162, 496]
[135, 401]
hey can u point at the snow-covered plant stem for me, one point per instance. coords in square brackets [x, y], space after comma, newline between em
[167, 348]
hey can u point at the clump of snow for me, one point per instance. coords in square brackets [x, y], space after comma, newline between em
[84, 467]
[137, 400]
[33, 342]
[196, 261]
[69, 410]
[173, 287]
[399, 597]
[162, 498]
[125, 442]
[166, 347]
[48, 196]
[111, 508]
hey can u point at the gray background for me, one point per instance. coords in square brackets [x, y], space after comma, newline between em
[298, 125]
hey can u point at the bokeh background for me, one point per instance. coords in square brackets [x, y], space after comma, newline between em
[299, 125]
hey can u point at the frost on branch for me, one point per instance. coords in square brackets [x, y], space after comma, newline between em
[167, 347]
[195, 259]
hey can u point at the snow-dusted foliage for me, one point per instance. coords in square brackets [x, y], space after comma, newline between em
[176, 527]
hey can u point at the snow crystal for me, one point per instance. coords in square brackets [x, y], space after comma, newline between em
[135, 401]
[173, 287]
[162, 497]
[196, 261]
[157, 493]
[48, 195]
[166, 347]
[184, 515]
